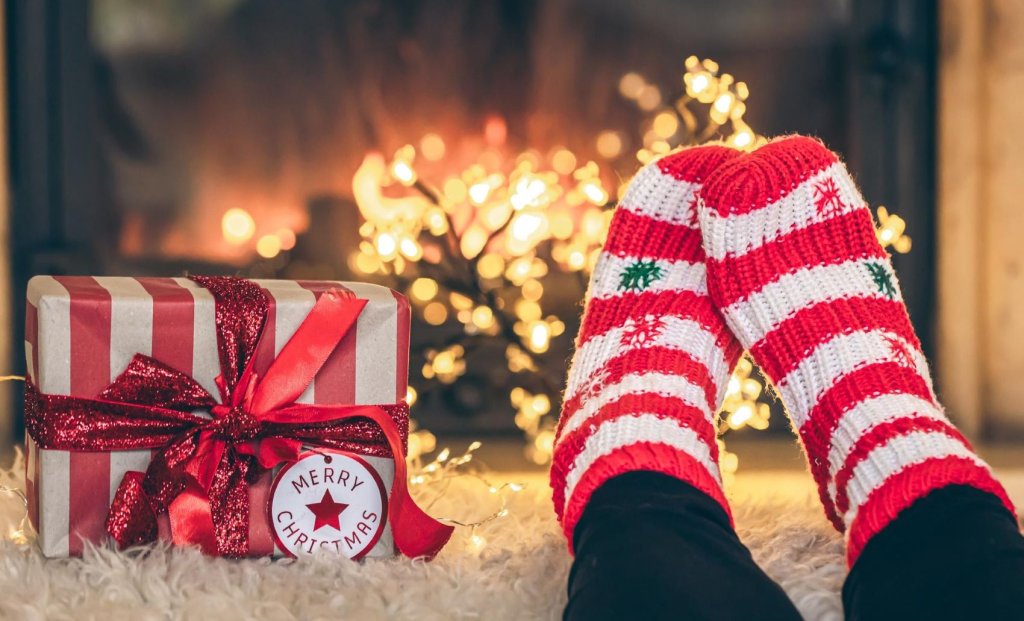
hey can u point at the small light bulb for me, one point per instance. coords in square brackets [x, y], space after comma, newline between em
[387, 246]
[477, 543]
[403, 172]
[237, 226]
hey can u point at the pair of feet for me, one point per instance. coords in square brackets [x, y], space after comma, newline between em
[712, 251]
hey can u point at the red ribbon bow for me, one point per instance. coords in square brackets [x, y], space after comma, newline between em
[201, 473]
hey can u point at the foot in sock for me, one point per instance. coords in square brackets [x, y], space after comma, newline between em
[652, 356]
[794, 266]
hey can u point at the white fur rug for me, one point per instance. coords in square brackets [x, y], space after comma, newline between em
[520, 573]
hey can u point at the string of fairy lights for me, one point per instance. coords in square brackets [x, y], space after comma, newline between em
[475, 247]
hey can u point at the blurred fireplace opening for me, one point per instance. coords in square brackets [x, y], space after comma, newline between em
[116, 140]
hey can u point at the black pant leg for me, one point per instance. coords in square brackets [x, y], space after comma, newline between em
[955, 554]
[649, 546]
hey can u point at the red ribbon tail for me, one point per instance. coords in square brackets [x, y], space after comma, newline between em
[192, 519]
[416, 533]
[330, 319]
[132, 520]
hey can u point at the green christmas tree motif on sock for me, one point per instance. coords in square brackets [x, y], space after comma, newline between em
[883, 280]
[639, 275]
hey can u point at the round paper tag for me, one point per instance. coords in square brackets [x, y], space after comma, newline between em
[328, 500]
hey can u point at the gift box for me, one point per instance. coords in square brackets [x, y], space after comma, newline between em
[248, 417]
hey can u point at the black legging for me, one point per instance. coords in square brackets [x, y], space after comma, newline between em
[652, 547]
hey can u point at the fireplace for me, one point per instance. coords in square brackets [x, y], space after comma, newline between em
[273, 139]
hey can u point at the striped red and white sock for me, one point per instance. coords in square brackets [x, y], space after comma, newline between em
[795, 268]
[653, 356]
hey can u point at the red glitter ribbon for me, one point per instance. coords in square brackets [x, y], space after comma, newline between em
[203, 466]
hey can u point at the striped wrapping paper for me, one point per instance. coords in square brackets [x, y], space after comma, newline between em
[81, 332]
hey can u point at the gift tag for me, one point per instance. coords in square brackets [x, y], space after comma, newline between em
[328, 500]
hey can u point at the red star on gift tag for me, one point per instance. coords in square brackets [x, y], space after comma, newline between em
[327, 511]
